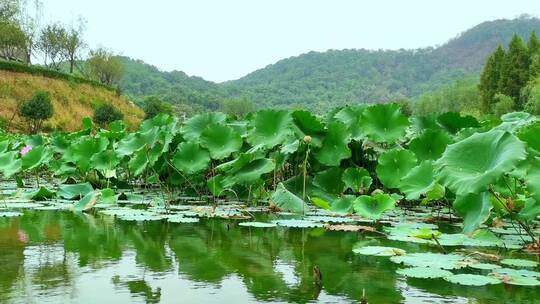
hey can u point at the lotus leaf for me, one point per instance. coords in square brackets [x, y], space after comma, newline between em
[433, 260]
[357, 179]
[10, 164]
[74, 191]
[257, 224]
[373, 207]
[190, 158]
[383, 123]
[379, 251]
[334, 147]
[471, 165]
[393, 165]
[194, 126]
[424, 272]
[472, 279]
[453, 122]
[270, 128]
[474, 208]
[220, 140]
[287, 201]
[519, 263]
[430, 145]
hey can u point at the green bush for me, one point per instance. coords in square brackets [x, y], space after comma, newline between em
[106, 114]
[153, 106]
[37, 110]
[503, 104]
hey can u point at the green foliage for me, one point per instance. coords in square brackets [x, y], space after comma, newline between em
[237, 107]
[37, 110]
[12, 40]
[105, 67]
[107, 113]
[490, 77]
[514, 71]
[153, 106]
[503, 104]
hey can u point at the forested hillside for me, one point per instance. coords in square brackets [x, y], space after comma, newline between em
[337, 76]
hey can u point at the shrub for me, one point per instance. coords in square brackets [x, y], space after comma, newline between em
[106, 114]
[504, 104]
[37, 110]
[154, 106]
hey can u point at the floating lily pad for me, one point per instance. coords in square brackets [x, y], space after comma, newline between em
[519, 263]
[297, 223]
[175, 218]
[472, 279]
[23, 205]
[257, 224]
[484, 266]
[330, 219]
[10, 214]
[142, 217]
[424, 272]
[520, 281]
[379, 251]
[434, 260]
[517, 272]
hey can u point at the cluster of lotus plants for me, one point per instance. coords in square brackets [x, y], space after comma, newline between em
[360, 159]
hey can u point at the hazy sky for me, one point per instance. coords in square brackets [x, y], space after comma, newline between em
[226, 39]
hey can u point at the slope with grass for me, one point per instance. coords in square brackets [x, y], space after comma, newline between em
[72, 101]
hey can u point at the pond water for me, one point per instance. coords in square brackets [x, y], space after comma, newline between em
[64, 257]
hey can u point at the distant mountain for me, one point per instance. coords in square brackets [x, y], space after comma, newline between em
[337, 76]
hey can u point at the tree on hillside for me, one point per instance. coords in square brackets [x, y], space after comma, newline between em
[105, 67]
[9, 9]
[107, 113]
[37, 110]
[237, 107]
[489, 79]
[515, 70]
[533, 45]
[154, 106]
[73, 43]
[12, 40]
[29, 20]
[51, 45]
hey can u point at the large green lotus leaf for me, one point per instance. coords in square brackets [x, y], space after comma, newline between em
[453, 122]
[433, 260]
[138, 162]
[270, 128]
[218, 184]
[10, 164]
[379, 251]
[4, 145]
[74, 191]
[519, 263]
[335, 145]
[329, 180]
[87, 202]
[194, 126]
[530, 136]
[190, 158]
[532, 206]
[430, 145]
[357, 179]
[36, 157]
[471, 165]
[515, 121]
[220, 140]
[287, 201]
[472, 279]
[343, 204]
[108, 196]
[383, 123]
[80, 153]
[252, 171]
[41, 194]
[131, 143]
[290, 147]
[351, 116]
[308, 123]
[421, 123]
[373, 207]
[106, 163]
[475, 209]
[424, 272]
[393, 165]
[418, 181]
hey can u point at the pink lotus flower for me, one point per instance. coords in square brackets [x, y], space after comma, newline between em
[25, 150]
[22, 236]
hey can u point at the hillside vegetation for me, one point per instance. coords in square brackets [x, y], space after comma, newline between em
[336, 76]
[71, 101]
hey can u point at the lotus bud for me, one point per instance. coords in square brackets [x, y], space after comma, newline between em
[307, 139]
[377, 191]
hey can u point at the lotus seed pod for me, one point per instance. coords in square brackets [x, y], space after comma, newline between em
[307, 139]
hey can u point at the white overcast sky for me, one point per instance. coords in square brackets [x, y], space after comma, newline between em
[226, 39]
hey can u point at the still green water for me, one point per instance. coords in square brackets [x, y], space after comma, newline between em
[61, 257]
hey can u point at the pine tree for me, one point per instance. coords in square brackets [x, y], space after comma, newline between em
[515, 70]
[533, 45]
[489, 80]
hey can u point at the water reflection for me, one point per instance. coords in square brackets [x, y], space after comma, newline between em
[64, 257]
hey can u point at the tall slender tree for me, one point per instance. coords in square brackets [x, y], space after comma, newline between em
[489, 79]
[533, 45]
[515, 70]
